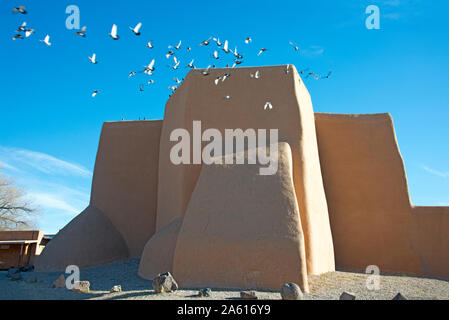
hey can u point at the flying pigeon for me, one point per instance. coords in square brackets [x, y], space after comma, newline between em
[20, 9]
[82, 32]
[225, 47]
[205, 42]
[150, 44]
[188, 48]
[248, 40]
[256, 75]
[217, 80]
[217, 41]
[150, 66]
[206, 71]
[131, 74]
[136, 29]
[262, 50]
[215, 55]
[177, 47]
[151, 81]
[46, 40]
[294, 46]
[29, 32]
[268, 105]
[190, 65]
[18, 36]
[141, 88]
[113, 33]
[236, 54]
[177, 62]
[22, 27]
[92, 59]
[168, 54]
[95, 93]
[177, 80]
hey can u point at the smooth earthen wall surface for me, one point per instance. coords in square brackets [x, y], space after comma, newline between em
[198, 98]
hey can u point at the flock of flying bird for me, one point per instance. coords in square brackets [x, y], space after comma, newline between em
[24, 32]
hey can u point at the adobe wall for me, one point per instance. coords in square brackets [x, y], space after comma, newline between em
[124, 185]
[371, 216]
[9, 254]
[242, 229]
[121, 216]
[198, 98]
[430, 239]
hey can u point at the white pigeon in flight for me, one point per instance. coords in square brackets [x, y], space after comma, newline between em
[95, 93]
[149, 44]
[225, 47]
[268, 105]
[190, 65]
[150, 66]
[248, 40]
[262, 50]
[93, 59]
[136, 29]
[255, 75]
[215, 55]
[29, 32]
[113, 33]
[177, 47]
[82, 32]
[294, 46]
[46, 40]
[177, 62]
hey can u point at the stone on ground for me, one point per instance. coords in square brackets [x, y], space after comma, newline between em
[60, 282]
[117, 288]
[399, 296]
[204, 292]
[347, 296]
[251, 295]
[164, 282]
[291, 291]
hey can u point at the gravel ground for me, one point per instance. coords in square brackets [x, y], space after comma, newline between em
[124, 273]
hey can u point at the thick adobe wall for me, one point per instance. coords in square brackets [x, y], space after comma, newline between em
[121, 216]
[367, 194]
[242, 229]
[199, 98]
[88, 240]
[430, 239]
[124, 185]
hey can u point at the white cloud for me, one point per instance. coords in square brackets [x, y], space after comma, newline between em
[436, 172]
[43, 162]
[312, 51]
[5, 165]
[52, 201]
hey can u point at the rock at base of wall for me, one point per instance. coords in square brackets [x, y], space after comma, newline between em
[291, 291]
[399, 296]
[60, 282]
[347, 296]
[117, 288]
[164, 282]
[249, 295]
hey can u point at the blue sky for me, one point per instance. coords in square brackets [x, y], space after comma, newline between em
[51, 124]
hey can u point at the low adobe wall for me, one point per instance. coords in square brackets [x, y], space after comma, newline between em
[9, 253]
[371, 216]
